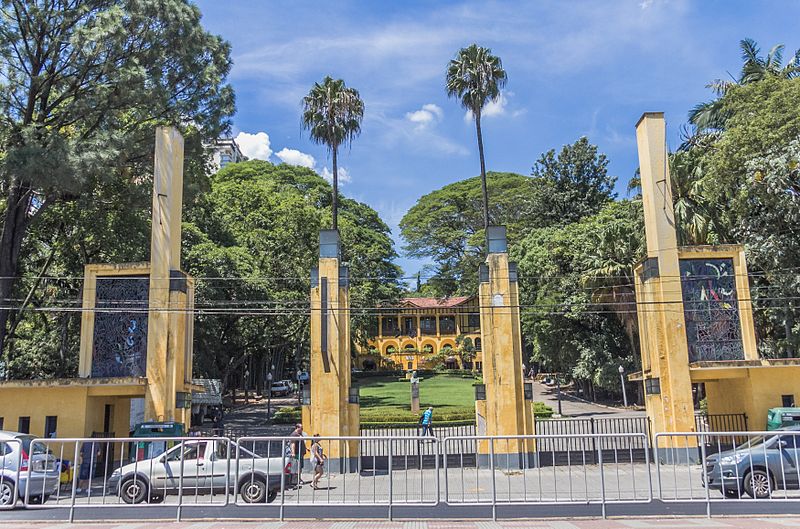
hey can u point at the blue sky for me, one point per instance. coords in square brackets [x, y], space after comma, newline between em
[578, 68]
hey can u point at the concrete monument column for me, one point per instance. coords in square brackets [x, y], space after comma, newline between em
[333, 410]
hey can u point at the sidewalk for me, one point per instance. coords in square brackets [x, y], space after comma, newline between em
[644, 523]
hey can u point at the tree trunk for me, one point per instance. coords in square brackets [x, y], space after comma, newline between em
[335, 201]
[14, 227]
[484, 188]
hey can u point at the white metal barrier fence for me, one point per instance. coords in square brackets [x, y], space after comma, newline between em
[602, 469]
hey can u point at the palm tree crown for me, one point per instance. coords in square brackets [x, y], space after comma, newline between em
[710, 115]
[475, 76]
[332, 114]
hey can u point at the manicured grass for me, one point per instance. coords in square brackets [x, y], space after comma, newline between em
[443, 392]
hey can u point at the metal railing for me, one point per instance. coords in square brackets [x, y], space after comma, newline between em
[758, 466]
[389, 471]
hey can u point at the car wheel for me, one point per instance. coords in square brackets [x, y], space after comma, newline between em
[133, 491]
[758, 484]
[7, 493]
[253, 491]
[272, 495]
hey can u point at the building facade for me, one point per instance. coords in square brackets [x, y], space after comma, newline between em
[225, 151]
[424, 332]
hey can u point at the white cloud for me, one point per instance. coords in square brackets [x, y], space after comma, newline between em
[498, 107]
[427, 115]
[295, 157]
[344, 175]
[254, 146]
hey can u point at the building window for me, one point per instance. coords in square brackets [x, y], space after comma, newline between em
[389, 326]
[427, 324]
[410, 326]
[477, 344]
[50, 426]
[478, 366]
[391, 350]
[24, 425]
[447, 325]
[788, 401]
[411, 365]
[2, 423]
[472, 324]
[224, 160]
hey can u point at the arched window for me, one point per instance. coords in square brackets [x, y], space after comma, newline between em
[390, 350]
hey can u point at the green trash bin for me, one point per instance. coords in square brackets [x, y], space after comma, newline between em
[149, 449]
[782, 417]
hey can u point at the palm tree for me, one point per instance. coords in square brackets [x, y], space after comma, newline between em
[710, 115]
[476, 77]
[332, 113]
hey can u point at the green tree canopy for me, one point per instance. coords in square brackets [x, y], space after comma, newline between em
[259, 225]
[84, 84]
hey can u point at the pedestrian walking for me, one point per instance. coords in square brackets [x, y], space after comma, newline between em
[318, 459]
[426, 421]
[298, 451]
[90, 451]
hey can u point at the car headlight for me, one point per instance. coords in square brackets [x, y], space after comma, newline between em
[733, 459]
[117, 473]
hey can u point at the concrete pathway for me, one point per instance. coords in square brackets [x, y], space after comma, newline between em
[573, 407]
[628, 523]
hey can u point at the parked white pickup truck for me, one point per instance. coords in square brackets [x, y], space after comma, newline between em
[207, 465]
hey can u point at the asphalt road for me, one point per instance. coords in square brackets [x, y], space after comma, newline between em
[574, 407]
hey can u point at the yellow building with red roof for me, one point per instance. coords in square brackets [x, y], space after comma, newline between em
[422, 329]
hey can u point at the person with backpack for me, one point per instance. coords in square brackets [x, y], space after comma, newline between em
[426, 421]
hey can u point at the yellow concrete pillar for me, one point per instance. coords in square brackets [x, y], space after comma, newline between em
[164, 257]
[669, 399]
[505, 411]
[331, 413]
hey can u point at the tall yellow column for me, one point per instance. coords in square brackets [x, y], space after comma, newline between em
[164, 256]
[669, 390]
[505, 410]
[331, 412]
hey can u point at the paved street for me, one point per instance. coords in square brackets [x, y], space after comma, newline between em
[639, 523]
[573, 407]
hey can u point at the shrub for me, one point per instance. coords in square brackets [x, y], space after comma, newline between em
[288, 415]
[542, 410]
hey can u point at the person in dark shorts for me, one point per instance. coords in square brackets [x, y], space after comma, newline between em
[298, 451]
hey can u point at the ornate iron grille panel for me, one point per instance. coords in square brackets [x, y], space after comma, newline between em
[120, 327]
[711, 310]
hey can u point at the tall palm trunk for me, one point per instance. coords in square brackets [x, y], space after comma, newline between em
[484, 189]
[335, 201]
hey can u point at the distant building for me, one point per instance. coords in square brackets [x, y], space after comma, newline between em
[422, 328]
[225, 151]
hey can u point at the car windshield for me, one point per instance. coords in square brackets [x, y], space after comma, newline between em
[754, 442]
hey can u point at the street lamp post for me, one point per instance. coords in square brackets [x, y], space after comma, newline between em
[269, 395]
[622, 383]
[246, 379]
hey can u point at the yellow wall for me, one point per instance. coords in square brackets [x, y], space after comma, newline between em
[79, 415]
[755, 393]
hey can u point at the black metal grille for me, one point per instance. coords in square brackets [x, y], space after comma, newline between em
[120, 327]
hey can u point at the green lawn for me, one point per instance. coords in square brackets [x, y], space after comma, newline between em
[385, 399]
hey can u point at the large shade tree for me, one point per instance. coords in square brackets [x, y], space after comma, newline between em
[475, 77]
[83, 83]
[332, 113]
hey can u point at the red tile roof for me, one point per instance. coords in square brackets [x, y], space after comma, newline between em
[436, 303]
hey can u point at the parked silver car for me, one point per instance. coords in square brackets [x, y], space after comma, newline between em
[202, 467]
[24, 471]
